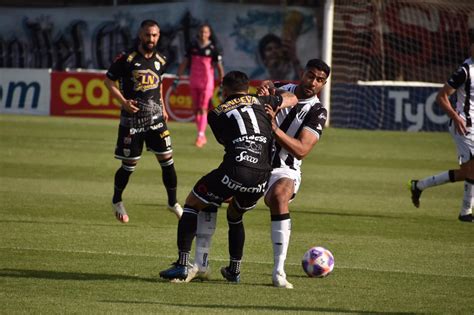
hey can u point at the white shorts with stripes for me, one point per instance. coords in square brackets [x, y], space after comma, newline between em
[464, 144]
[284, 172]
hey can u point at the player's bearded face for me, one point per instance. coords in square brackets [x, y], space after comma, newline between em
[312, 82]
[149, 38]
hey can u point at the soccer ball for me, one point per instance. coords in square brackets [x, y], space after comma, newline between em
[318, 262]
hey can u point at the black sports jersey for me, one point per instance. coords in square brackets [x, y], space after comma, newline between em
[308, 114]
[243, 127]
[209, 50]
[139, 79]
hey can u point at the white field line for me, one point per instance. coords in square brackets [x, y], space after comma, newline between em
[226, 260]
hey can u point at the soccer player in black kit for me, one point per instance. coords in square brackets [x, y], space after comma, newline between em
[243, 127]
[143, 116]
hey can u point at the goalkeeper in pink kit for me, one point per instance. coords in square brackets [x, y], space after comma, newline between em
[203, 57]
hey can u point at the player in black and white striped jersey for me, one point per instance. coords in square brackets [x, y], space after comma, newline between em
[296, 131]
[461, 82]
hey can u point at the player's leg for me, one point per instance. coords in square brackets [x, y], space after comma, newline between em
[277, 199]
[128, 150]
[206, 193]
[206, 226]
[202, 112]
[236, 239]
[464, 150]
[197, 95]
[465, 214]
[187, 226]
[158, 141]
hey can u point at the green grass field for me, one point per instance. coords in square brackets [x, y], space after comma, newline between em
[62, 250]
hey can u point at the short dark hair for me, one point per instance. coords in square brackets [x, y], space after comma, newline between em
[236, 81]
[149, 23]
[265, 40]
[318, 64]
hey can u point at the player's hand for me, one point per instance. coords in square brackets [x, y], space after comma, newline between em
[130, 106]
[460, 125]
[270, 112]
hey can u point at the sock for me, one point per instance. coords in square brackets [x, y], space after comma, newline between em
[170, 180]
[122, 176]
[436, 180]
[206, 227]
[183, 258]
[281, 231]
[198, 120]
[236, 238]
[466, 206]
[202, 126]
[187, 229]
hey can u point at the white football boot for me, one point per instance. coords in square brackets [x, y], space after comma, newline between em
[195, 273]
[177, 210]
[119, 212]
[279, 281]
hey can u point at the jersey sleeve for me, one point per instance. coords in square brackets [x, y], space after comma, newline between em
[315, 120]
[273, 100]
[217, 54]
[116, 70]
[458, 78]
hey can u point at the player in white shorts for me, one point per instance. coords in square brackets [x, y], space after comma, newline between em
[460, 127]
[296, 131]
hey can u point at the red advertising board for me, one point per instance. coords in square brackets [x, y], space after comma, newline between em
[84, 94]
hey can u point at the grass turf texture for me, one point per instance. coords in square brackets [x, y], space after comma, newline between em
[62, 250]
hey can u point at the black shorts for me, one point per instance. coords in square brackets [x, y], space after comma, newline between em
[130, 141]
[245, 184]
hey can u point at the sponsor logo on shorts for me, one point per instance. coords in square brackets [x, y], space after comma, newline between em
[157, 126]
[164, 134]
[243, 156]
[230, 183]
[127, 140]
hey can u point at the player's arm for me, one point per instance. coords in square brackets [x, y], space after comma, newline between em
[298, 147]
[128, 105]
[456, 80]
[165, 113]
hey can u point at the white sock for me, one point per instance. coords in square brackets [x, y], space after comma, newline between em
[206, 227]
[281, 231]
[466, 206]
[434, 180]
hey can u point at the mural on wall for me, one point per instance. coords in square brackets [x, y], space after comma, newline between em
[263, 41]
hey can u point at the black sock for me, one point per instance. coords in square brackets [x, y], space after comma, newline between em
[121, 180]
[183, 258]
[236, 238]
[234, 266]
[187, 229]
[170, 179]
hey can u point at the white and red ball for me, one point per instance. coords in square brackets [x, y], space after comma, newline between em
[318, 262]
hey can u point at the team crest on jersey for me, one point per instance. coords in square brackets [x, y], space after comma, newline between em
[157, 66]
[145, 80]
